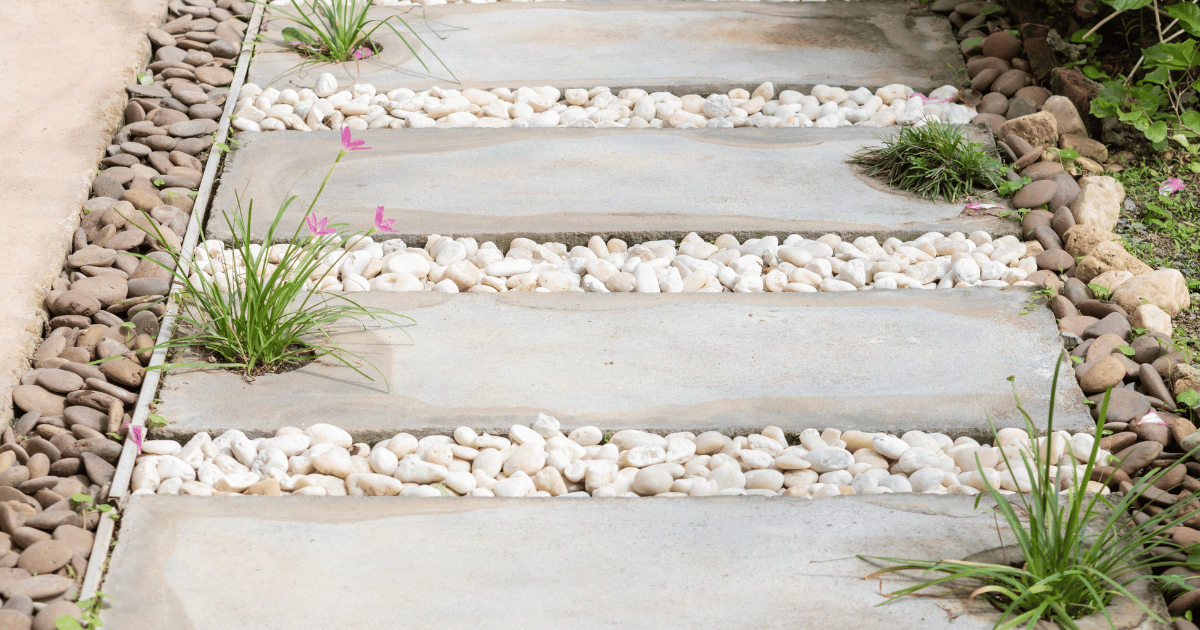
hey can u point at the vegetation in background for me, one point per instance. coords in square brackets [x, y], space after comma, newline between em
[933, 160]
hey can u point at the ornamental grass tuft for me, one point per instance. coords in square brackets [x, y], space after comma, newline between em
[1080, 549]
[335, 31]
[934, 160]
[260, 317]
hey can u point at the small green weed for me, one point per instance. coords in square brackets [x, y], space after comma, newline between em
[90, 608]
[934, 161]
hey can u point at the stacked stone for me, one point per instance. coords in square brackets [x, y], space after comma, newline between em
[107, 303]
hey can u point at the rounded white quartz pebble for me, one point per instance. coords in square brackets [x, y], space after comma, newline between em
[161, 447]
[889, 446]
[764, 479]
[236, 482]
[926, 479]
[652, 480]
[586, 436]
[711, 442]
[322, 433]
[829, 458]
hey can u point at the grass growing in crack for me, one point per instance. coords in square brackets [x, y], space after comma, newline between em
[339, 30]
[1079, 552]
[258, 317]
[934, 161]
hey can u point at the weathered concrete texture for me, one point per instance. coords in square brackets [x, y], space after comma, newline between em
[65, 67]
[689, 46]
[192, 563]
[568, 184]
[874, 361]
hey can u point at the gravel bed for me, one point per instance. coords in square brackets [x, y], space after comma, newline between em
[694, 265]
[326, 105]
[544, 461]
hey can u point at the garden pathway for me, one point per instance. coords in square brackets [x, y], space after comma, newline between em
[691, 362]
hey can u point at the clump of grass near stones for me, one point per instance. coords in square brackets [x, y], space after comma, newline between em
[270, 316]
[1080, 549]
[934, 160]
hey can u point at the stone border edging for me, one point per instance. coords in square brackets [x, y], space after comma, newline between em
[120, 483]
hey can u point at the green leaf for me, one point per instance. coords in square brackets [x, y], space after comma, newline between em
[1092, 73]
[1125, 350]
[1157, 132]
[1191, 120]
[293, 34]
[990, 10]
[1103, 108]
[67, 622]
[1173, 56]
[971, 43]
[1188, 15]
[1126, 5]
[1160, 76]
[1189, 398]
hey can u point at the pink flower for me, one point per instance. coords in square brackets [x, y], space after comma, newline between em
[380, 223]
[1170, 186]
[931, 99]
[317, 228]
[982, 206]
[362, 52]
[137, 434]
[349, 143]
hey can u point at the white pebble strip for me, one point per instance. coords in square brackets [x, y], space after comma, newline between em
[798, 265]
[329, 106]
[543, 461]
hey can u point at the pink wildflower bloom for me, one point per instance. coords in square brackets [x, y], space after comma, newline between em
[982, 206]
[350, 144]
[317, 228]
[1171, 186]
[380, 223]
[362, 52]
[137, 434]
[931, 99]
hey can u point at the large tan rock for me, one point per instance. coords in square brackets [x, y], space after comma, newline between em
[1082, 239]
[1185, 377]
[1164, 288]
[1065, 115]
[1097, 206]
[1085, 146]
[1039, 130]
[1111, 279]
[1152, 319]
[1111, 256]
[1104, 181]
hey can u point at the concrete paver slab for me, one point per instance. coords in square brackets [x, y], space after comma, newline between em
[66, 67]
[690, 46]
[874, 361]
[365, 562]
[568, 184]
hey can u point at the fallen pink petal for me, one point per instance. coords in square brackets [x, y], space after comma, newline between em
[982, 206]
[362, 52]
[381, 224]
[350, 144]
[931, 99]
[136, 433]
[318, 228]
[1172, 185]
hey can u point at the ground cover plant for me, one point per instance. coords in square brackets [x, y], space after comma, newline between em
[339, 30]
[1080, 550]
[934, 160]
[261, 321]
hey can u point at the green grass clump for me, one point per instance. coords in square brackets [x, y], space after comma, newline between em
[263, 317]
[934, 160]
[1081, 550]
